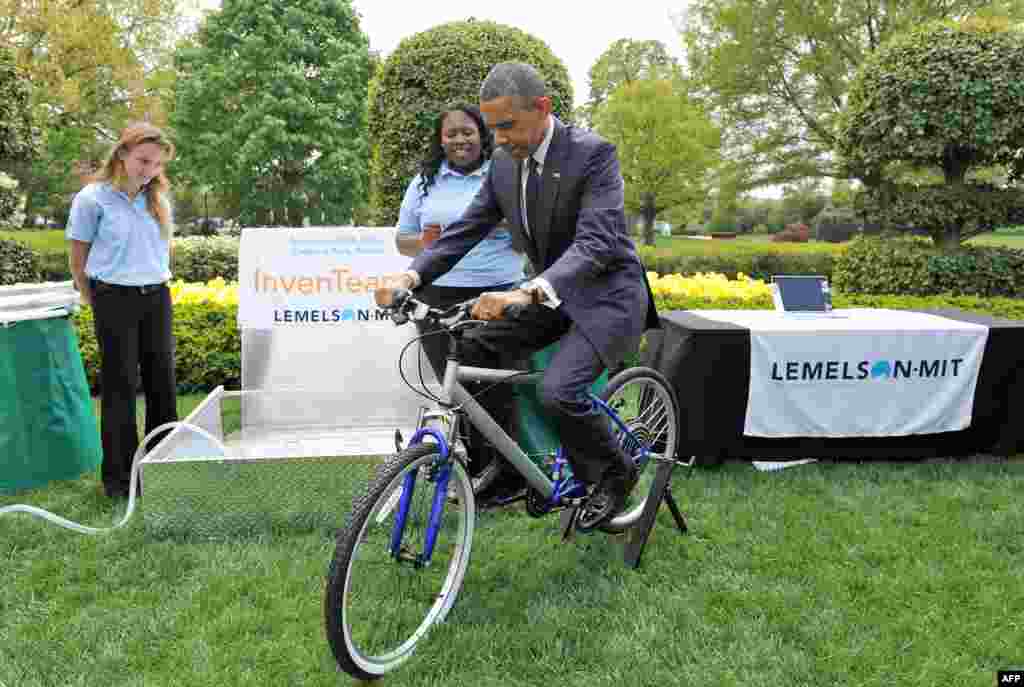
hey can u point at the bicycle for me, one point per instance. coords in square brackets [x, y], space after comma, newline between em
[400, 561]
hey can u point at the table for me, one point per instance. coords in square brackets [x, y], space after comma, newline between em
[709, 362]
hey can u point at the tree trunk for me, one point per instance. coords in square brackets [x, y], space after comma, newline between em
[649, 212]
[954, 169]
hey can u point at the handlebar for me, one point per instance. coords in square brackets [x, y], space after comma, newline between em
[404, 307]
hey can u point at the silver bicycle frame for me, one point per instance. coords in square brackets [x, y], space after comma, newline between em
[453, 393]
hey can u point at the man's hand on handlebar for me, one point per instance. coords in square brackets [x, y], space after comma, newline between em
[491, 305]
[384, 296]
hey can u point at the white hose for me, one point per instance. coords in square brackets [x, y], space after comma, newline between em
[64, 522]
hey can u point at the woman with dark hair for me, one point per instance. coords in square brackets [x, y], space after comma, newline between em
[455, 165]
[120, 234]
[457, 160]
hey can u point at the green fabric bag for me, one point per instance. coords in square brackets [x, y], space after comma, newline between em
[48, 429]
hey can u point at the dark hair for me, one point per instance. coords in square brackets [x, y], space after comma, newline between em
[513, 79]
[435, 153]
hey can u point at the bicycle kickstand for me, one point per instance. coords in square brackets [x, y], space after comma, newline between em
[567, 522]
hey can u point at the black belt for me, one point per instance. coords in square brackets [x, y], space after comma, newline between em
[143, 289]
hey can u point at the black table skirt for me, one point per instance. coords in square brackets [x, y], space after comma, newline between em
[708, 363]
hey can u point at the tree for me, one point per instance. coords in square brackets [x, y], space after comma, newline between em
[803, 201]
[949, 97]
[11, 203]
[666, 144]
[427, 72]
[94, 67]
[624, 62]
[17, 135]
[94, 64]
[270, 108]
[776, 72]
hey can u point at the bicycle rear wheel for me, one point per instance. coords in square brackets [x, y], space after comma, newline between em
[378, 606]
[646, 403]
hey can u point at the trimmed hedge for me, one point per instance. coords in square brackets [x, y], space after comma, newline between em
[18, 263]
[1009, 308]
[209, 347]
[761, 262]
[209, 344]
[916, 267]
[202, 258]
[425, 73]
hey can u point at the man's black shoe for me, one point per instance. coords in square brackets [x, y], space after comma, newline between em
[607, 500]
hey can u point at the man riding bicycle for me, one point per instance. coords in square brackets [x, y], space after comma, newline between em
[561, 192]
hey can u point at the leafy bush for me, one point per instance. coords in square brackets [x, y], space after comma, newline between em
[54, 266]
[428, 71]
[836, 225]
[944, 95]
[208, 346]
[721, 226]
[757, 260]
[916, 267]
[19, 137]
[680, 229]
[1010, 308]
[793, 233]
[200, 258]
[12, 203]
[18, 263]
[949, 214]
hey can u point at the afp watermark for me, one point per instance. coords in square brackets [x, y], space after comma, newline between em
[1013, 678]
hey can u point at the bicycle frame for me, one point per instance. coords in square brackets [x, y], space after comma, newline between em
[455, 396]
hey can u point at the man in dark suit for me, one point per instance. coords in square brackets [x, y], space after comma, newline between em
[561, 191]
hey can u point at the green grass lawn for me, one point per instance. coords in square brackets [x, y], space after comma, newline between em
[867, 574]
[745, 244]
[1005, 240]
[44, 240]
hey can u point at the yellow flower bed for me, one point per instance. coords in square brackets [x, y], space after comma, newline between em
[214, 291]
[710, 286]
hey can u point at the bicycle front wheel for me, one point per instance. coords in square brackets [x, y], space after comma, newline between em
[646, 404]
[383, 594]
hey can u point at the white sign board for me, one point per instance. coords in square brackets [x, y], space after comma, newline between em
[308, 277]
[309, 323]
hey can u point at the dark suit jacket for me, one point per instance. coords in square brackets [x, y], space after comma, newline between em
[581, 244]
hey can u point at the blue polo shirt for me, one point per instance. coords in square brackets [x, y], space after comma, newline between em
[492, 261]
[126, 245]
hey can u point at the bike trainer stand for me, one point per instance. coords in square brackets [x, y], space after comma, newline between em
[636, 536]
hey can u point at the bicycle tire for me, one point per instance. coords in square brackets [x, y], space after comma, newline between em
[371, 600]
[655, 421]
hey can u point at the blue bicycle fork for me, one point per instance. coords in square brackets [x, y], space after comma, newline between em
[441, 479]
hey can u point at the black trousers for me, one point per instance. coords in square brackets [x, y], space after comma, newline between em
[435, 344]
[133, 329]
[584, 431]
[434, 341]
